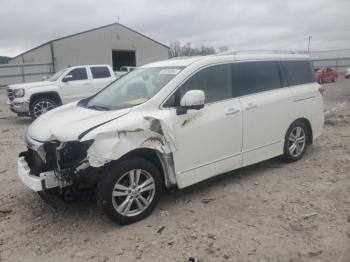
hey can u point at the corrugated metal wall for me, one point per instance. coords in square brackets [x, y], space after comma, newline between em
[91, 47]
[95, 47]
[21, 73]
[41, 54]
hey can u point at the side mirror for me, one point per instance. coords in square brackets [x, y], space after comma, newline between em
[193, 99]
[67, 78]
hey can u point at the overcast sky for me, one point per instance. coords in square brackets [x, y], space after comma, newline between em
[240, 25]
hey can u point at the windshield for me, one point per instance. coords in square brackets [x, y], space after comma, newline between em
[132, 89]
[57, 75]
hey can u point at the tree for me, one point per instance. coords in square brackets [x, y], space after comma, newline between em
[175, 49]
[223, 49]
[179, 49]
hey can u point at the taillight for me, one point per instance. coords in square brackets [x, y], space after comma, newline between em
[321, 90]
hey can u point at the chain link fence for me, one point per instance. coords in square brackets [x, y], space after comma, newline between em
[339, 64]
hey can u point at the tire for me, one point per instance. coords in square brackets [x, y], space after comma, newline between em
[41, 106]
[129, 204]
[293, 153]
[334, 79]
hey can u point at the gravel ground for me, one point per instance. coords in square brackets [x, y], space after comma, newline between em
[271, 211]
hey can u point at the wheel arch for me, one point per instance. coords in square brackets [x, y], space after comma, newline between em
[308, 126]
[52, 95]
[163, 162]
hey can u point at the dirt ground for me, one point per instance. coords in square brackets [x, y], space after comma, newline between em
[269, 212]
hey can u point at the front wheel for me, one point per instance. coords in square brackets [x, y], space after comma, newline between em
[129, 190]
[296, 141]
[41, 106]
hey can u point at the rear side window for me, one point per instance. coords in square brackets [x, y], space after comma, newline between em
[100, 72]
[78, 74]
[255, 77]
[215, 81]
[298, 72]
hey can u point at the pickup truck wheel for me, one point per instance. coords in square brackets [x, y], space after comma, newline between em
[295, 142]
[129, 190]
[41, 106]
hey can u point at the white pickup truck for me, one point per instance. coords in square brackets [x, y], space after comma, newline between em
[67, 85]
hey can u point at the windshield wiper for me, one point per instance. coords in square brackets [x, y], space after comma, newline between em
[100, 108]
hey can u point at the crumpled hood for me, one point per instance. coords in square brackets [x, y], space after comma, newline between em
[32, 85]
[67, 122]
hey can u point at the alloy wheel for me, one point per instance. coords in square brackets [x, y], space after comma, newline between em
[42, 107]
[133, 192]
[296, 141]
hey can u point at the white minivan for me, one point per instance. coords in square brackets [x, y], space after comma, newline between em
[174, 123]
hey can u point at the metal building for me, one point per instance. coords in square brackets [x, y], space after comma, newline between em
[113, 44]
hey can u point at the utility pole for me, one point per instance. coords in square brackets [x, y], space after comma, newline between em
[308, 46]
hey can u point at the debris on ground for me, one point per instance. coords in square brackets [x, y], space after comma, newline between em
[160, 230]
[5, 211]
[164, 213]
[211, 236]
[307, 216]
[207, 200]
[315, 253]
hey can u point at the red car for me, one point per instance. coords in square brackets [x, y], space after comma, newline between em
[326, 74]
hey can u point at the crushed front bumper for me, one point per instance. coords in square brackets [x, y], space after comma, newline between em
[45, 180]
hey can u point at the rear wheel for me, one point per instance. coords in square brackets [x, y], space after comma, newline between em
[296, 141]
[41, 106]
[129, 190]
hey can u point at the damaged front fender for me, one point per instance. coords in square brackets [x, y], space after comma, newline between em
[150, 133]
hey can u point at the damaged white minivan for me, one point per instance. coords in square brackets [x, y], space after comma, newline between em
[172, 124]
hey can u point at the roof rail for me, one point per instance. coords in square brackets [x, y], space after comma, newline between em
[256, 52]
[185, 57]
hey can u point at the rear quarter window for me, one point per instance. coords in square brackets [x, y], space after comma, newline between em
[255, 77]
[298, 72]
[100, 72]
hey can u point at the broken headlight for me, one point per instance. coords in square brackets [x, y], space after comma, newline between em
[71, 153]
